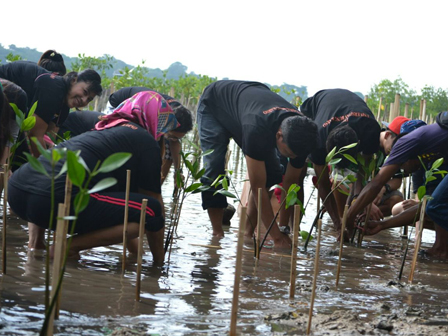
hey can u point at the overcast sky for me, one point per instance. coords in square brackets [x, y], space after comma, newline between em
[317, 43]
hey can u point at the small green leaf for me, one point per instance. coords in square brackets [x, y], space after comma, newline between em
[76, 171]
[225, 193]
[350, 158]
[81, 201]
[193, 187]
[277, 186]
[114, 161]
[431, 178]
[225, 183]
[304, 235]
[207, 152]
[36, 164]
[179, 180]
[217, 181]
[201, 189]
[350, 146]
[28, 124]
[421, 192]
[437, 164]
[200, 174]
[103, 184]
[330, 155]
[351, 178]
[334, 161]
[45, 153]
[32, 109]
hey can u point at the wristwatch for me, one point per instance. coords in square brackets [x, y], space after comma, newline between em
[387, 186]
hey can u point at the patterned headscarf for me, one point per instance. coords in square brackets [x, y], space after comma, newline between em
[146, 108]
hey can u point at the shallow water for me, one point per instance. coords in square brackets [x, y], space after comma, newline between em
[192, 295]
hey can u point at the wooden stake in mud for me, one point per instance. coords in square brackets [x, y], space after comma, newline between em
[341, 244]
[126, 213]
[5, 211]
[67, 202]
[295, 240]
[316, 271]
[236, 284]
[418, 239]
[61, 229]
[140, 248]
[379, 110]
[258, 240]
[406, 110]
[397, 105]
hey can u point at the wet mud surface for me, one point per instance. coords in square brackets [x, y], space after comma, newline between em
[192, 294]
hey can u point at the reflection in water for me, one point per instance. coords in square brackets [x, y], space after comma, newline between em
[193, 295]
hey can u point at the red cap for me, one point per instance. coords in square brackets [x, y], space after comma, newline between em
[395, 125]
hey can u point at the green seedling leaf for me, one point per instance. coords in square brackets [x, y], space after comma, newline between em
[62, 171]
[207, 152]
[430, 178]
[225, 183]
[351, 178]
[361, 159]
[189, 165]
[193, 187]
[32, 109]
[81, 201]
[437, 164]
[103, 184]
[304, 235]
[201, 189]
[76, 171]
[225, 193]
[350, 158]
[334, 161]
[330, 155]
[293, 188]
[350, 146]
[277, 186]
[179, 180]
[195, 168]
[69, 218]
[28, 124]
[114, 161]
[200, 174]
[217, 181]
[421, 192]
[36, 164]
[343, 192]
[372, 166]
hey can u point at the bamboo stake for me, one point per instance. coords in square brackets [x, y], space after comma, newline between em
[5, 210]
[295, 240]
[140, 249]
[423, 110]
[391, 112]
[403, 191]
[397, 105]
[125, 221]
[67, 202]
[258, 240]
[236, 284]
[418, 239]
[361, 232]
[406, 110]
[316, 271]
[61, 228]
[341, 244]
[378, 118]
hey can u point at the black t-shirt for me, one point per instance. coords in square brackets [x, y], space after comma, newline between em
[121, 95]
[334, 107]
[48, 89]
[79, 122]
[252, 114]
[96, 146]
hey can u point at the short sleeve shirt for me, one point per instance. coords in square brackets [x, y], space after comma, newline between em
[79, 122]
[121, 95]
[48, 89]
[334, 107]
[252, 114]
[429, 142]
[96, 146]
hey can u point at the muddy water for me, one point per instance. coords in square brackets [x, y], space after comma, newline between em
[192, 295]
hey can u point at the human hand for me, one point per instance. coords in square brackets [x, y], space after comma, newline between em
[375, 213]
[409, 203]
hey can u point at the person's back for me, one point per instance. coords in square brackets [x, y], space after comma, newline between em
[52, 61]
[23, 74]
[79, 122]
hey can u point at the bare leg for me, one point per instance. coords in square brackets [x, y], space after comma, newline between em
[440, 247]
[102, 237]
[215, 215]
[252, 215]
[155, 241]
[132, 245]
[36, 237]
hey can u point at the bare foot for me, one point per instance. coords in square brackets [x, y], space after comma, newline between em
[346, 236]
[218, 234]
[284, 242]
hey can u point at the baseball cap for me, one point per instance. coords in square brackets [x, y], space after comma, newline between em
[395, 125]
[409, 126]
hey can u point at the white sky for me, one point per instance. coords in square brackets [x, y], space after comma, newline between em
[317, 43]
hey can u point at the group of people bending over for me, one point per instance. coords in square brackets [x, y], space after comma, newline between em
[149, 125]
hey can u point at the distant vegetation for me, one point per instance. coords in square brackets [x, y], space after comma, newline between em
[188, 87]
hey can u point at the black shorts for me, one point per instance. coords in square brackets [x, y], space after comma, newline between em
[105, 209]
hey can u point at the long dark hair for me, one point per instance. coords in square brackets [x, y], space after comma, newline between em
[89, 76]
